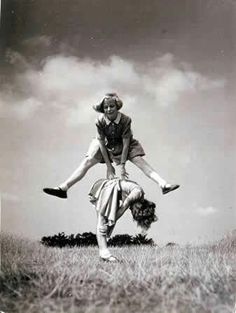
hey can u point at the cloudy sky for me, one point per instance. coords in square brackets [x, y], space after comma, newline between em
[173, 65]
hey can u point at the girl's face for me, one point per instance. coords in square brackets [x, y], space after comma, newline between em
[110, 108]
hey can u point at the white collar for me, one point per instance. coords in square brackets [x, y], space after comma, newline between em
[117, 120]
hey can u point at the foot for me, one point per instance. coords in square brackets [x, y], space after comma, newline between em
[57, 192]
[167, 188]
[110, 259]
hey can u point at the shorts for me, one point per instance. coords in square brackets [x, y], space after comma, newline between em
[135, 149]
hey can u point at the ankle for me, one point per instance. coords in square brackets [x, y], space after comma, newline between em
[63, 187]
[163, 184]
[104, 253]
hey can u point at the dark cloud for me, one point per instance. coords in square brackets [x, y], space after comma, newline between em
[199, 31]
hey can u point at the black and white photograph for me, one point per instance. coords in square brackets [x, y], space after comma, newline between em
[117, 156]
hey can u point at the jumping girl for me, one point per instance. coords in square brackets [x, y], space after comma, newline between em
[114, 143]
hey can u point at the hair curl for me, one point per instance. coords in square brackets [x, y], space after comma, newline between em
[143, 213]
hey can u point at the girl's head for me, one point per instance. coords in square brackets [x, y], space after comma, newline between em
[143, 212]
[111, 100]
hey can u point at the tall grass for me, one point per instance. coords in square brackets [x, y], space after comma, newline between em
[187, 279]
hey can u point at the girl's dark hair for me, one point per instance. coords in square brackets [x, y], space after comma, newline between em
[143, 213]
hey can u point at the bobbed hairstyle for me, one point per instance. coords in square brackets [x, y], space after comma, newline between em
[143, 213]
[112, 95]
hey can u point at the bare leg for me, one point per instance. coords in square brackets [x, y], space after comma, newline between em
[148, 171]
[102, 237]
[151, 173]
[79, 173]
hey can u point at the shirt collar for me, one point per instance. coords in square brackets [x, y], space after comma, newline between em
[117, 120]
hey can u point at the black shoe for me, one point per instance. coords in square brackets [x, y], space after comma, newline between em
[168, 189]
[57, 192]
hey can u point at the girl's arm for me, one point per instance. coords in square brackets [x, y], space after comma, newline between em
[110, 168]
[101, 139]
[134, 195]
[125, 150]
[126, 137]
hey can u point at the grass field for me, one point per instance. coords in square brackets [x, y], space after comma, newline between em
[187, 279]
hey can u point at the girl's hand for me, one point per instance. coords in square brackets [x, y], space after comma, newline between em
[123, 174]
[111, 172]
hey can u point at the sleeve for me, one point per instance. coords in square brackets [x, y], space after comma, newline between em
[135, 194]
[127, 133]
[133, 190]
[100, 133]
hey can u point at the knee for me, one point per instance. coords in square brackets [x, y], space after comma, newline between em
[102, 230]
[88, 162]
[142, 164]
[135, 160]
[138, 161]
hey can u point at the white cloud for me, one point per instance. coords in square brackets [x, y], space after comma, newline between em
[72, 85]
[167, 81]
[9, 197]
[206, 211]
[19, 108]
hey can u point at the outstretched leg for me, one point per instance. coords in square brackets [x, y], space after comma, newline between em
[79, 173]
[151, 173]
[148, 170]
[61, 190]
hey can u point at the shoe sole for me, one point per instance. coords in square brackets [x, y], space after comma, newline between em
[172, 189]
[51, 193]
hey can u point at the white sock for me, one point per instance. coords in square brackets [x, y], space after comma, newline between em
[63, 186]
[104, 253]
[162, 183]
